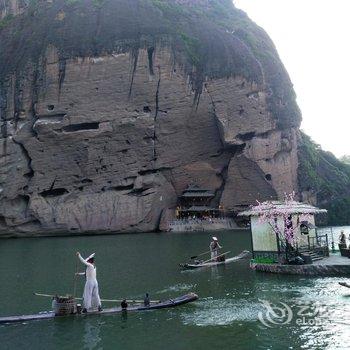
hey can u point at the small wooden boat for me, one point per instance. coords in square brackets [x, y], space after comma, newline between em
[199, 264]
[184, 299]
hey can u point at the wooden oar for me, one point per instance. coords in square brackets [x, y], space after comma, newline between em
[204, 262]
[196, 256]
[104, 300]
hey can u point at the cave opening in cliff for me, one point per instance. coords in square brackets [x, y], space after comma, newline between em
[268, 177]
[86, 181]
[2, 221]
[54, 192]
[50, 107]
[122, 188]
[81, 127]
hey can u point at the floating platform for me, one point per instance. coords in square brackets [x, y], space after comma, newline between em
[335, 265]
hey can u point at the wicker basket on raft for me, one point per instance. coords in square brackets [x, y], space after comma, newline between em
[64, 305]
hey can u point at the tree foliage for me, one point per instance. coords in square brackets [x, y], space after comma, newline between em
[328, 178]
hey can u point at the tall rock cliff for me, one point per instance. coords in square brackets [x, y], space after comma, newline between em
[110, 108]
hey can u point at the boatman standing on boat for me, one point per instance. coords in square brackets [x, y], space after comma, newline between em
[342, 237]
[214, 248]
[91, 296]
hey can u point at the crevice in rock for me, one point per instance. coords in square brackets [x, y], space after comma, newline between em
[150, 53]
[155, 117]
[124, 150]
[223, 175]
[17, 100]
[26, 199]
[53, 183]
[81, 126]
[198, 88]
[35, 90]
[61, 74]
[135, 58]
[235, 149]
[246, 136]
[3, 110]
[2, 221]
[122, 188]
[221, 150]
[126, 178]
[159, 219]
[55, 192]
[139, 192]
[25, 152]
[152, 171]
[86, 181]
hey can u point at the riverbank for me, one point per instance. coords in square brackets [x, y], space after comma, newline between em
[53, 234]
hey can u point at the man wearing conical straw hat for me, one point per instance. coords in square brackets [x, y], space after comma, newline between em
[91, 296]
[214, 247]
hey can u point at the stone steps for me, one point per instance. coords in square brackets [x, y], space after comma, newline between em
[311, 254]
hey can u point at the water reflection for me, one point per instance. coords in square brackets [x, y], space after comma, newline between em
[214, 272]
[91, 338]
[124, 319]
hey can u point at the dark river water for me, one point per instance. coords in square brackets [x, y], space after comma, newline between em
[230, 314]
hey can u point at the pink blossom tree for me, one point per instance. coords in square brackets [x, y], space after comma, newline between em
[269, 212]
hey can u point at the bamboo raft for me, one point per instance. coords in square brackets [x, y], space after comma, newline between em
[208, 263]
[69, 306]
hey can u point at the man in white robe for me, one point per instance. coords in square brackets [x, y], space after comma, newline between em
[91, 295]
[214, 248]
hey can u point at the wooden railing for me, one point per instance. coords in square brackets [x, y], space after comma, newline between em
[317, 242]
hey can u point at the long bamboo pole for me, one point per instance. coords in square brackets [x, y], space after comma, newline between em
[204, 262]
[196, 256]
[104, 300]
[75, 278]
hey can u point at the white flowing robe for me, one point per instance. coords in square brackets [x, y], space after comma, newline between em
[214, 249]
[91, 295]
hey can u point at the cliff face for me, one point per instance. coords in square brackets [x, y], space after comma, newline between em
[109, 109]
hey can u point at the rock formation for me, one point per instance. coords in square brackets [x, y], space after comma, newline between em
[109, 109]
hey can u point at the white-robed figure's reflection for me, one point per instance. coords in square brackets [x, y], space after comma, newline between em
[92, 339]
